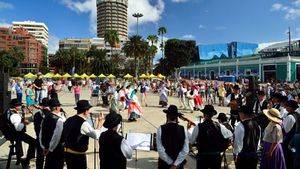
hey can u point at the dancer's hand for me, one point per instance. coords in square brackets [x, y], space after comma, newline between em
[101, 120]
[173, 167]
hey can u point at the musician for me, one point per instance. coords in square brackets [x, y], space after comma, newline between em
[246, 140]
[76, 133]
[114, 149]
[37, 120]
[172, 141]
[278, 102]
[261, 104]
[18, 132]
[235, 101]
[50, 136]
[205, 135]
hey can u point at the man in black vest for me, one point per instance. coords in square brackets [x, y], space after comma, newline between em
[37, 120]
[114, 149]
[260, 104]
[76, 135]
[208, 136]
[50, 137]
[291, 126]
[172, 141]
[246, 140]
[235, 101]
[18, 126]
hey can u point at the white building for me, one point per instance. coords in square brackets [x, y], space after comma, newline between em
[37, 29]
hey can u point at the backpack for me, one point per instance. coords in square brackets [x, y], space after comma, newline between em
[217, 138]
[5, 126]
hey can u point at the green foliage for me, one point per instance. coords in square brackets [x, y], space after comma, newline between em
[112, 37]
[11, 60]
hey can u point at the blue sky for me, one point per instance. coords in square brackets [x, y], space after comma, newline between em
[206, 21]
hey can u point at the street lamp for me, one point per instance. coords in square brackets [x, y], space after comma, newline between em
[137, 16]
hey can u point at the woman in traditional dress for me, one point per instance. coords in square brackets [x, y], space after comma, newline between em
[163, 96]
[29, 95]
[134, 109]
[272, 155]
[197, 98]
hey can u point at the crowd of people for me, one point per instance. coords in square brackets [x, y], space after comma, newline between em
[262, 126]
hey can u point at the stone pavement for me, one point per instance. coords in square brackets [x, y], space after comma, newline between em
[153, 114]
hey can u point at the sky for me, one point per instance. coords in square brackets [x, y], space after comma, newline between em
[205, 21]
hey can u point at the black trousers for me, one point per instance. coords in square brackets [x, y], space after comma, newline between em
[209, 161]
[22, 136]
[39, 156]
[75, 161]
[246, 162]
[55, 159]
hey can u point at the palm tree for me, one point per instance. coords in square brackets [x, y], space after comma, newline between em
[161, 32]
[136, 47]
[111, 37]
[152, 39]
[152, 50]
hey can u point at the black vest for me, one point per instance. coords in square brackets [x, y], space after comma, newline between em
[239, 99]
[48, 127]
[72, 136]
[205, 142]
[172, 139]
[111, 156]
[37, 120]
[295, 130]
[251, 137]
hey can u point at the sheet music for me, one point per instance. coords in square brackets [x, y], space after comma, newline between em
[139, 141]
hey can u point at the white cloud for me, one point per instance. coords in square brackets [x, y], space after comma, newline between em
[179, 1]
[188, 36]
[53, 44]
[5, 5]
[292, 12]
[152, 12]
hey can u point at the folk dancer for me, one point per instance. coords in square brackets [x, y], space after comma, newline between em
[134, 109]
[163, 95]
[235, 101]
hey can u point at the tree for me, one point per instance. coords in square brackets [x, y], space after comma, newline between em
[111, 37]
[6, 62]
[161, 32]
[152, 39]
[152, 50]
[98, 62]
[137, 48]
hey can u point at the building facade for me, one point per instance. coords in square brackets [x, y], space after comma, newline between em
[32, 48]
[112, 15]
[274, 62]
[36, 29]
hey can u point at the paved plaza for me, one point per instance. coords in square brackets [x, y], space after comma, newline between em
[153, 114]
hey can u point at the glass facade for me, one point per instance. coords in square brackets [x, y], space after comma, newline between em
[226, 50]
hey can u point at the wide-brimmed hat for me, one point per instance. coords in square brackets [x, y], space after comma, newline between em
[172, 110]
[292, 104]
[83, 105]
[54, 103]
[273, 115]
[112, 120]
[15, 103]
[236, 87]
[246, 110]
[209, 110]
[45, 102]
[222, 117]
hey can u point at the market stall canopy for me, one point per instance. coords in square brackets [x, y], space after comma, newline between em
[84, 76]
[111, 76]
[160, 76]
[48, 75]
[152, 76]
[93, 76]
[128, 76]
[57, 76]
[143, 76]
[102, 76]
[30, 76]
[76, 75]
[67, 75]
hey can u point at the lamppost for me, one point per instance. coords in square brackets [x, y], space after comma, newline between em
[137, 16]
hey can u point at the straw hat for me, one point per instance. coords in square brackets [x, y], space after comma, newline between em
[273, 115]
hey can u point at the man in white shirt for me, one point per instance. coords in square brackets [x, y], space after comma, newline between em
[50, 136]
[172, 141]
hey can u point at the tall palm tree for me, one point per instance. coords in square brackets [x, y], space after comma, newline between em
[152, 39]
[152, 50]
[136, 47]
[161, 32]
[111, 37]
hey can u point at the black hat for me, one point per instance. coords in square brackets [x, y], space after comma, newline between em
[246, 110]
[45, 102]
[222, 117]
[292, 104]
[54, 103]
[15, 103]
[261, 93]
[112, 120]
[236, 87]
[172, 110]
[209, 110]
[277, 96]
[82, 105]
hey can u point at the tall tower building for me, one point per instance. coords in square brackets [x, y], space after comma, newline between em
[112, 14]
[36, 29]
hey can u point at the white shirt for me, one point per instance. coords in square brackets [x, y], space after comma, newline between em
[239, 134]
[16, 120]
[164, 156]
[288, 123]
[56, 134]
[193, 133]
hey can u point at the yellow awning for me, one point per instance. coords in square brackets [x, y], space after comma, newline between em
[76, 75]
[67, 75]
[127, 76]
[84, 76]
[30, 76]
[152, 76]
[93, 76]
[111, 76]
[48, 75]
[102, 76]
[57, 76]
[143, 76]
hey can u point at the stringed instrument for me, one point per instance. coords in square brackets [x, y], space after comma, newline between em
[187, 120]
